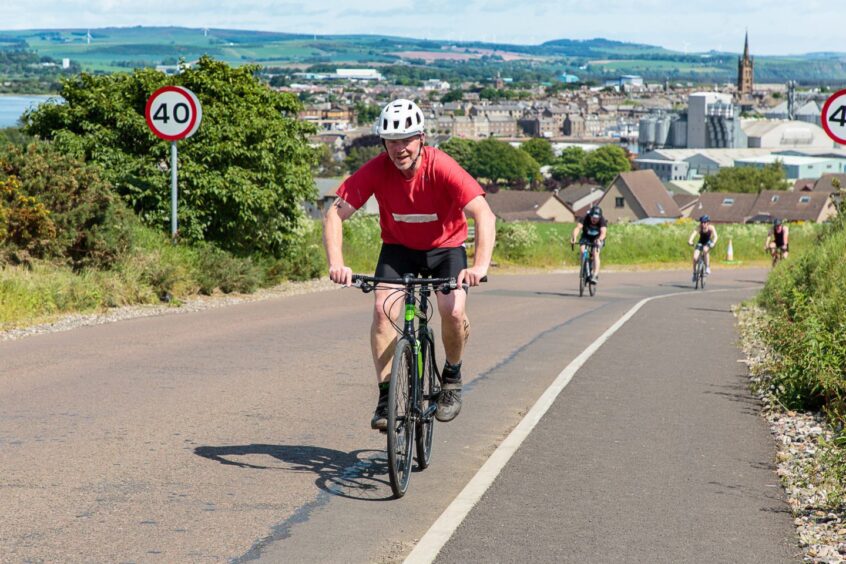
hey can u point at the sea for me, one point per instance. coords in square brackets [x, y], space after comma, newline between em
[12, 107]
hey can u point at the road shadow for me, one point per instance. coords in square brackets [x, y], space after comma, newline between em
[710, 309]
[559, 294]
[759, 282]
[360, 474]
[687, 286]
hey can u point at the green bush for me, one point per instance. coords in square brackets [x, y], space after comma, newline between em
[515, 240]
[805, 300]
[65, 211]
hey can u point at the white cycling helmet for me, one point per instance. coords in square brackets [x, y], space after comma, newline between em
[400, 119]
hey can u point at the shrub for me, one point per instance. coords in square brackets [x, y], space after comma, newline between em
[514, 240]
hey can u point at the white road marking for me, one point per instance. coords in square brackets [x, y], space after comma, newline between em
[441, 530]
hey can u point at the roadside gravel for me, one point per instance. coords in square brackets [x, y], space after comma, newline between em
[822, 532]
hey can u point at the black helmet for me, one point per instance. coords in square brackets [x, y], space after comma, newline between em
[776, 221]
[595, 211]
[705, 219]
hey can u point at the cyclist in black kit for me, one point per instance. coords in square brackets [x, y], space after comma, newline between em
[707, 239]
[593, 229]
[777, 243]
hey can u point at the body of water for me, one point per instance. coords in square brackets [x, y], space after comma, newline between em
[13, 106]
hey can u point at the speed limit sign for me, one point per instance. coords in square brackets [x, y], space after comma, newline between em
[834, 116]
[173, 113]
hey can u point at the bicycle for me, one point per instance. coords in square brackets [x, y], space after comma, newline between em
[415, 380]
[699, 271]
[777, 254]
[586, 269]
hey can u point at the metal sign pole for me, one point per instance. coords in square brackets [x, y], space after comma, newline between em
[173, 191]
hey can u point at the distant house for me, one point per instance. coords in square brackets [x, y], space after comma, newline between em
[520, 205]
[578, 196]
[638, 195]
[826, 183]
[793, 206]
[686, 203]
[724, 207]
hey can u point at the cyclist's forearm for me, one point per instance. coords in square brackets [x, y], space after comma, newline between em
[333, 238]
[485, 236]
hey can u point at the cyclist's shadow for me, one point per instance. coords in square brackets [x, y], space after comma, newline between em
[360, 474]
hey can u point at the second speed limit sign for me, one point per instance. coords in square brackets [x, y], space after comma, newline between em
[833, 117]
[173, 113]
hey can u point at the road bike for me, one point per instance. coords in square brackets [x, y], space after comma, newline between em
[415, 380]
[699, 271]
[777, 254]
[587, 268]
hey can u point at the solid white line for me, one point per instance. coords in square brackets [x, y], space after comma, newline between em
[442, 529]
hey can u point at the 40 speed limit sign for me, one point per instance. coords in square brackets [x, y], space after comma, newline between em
[173, 113]
[834, 116]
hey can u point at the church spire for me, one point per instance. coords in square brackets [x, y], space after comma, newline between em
[746, 46]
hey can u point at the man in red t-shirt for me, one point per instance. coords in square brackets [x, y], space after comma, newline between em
[423, 196]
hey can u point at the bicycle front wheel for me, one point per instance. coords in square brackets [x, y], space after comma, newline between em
[582, 277]
[429, 389]
[400, 421]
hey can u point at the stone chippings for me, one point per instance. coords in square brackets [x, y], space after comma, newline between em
[822, 532]
[195, 303]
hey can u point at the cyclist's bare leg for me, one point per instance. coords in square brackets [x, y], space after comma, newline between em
[453, 324]
[596, 261]
[383, 336]
[707, 251]
[695, 258]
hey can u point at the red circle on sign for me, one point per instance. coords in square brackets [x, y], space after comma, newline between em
[824, 116]
[151, 123]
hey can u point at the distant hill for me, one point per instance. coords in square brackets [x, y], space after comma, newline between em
[120, 49]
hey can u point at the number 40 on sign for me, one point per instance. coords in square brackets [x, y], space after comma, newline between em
[173, 113]
[834, 117]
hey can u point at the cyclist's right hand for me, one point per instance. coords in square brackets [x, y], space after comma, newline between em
[340, 275]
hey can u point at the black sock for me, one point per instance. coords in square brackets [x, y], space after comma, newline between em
[383, 390]
[452, 372]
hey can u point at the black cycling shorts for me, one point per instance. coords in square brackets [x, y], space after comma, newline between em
[587, 241]
[395, 261]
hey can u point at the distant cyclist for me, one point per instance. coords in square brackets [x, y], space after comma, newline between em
[707, 239]
[778, 243]
[593, 229]
[423, 196]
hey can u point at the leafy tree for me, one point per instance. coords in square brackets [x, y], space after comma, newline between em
[498, 161]
[327, 165]
[570, 165]
[452, 96]
[242, 176]
[747, 179]
[360, 155]
[459, 149]
[366, 114]
[540, 149]
[605, 163]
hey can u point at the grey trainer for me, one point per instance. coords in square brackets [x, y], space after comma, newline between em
[380, 416]
[449, 401]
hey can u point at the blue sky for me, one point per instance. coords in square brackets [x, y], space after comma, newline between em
[775, 26]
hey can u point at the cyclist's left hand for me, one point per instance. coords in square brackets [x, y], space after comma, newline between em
[471, 276]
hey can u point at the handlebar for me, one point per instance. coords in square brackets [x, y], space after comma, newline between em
[442, 285]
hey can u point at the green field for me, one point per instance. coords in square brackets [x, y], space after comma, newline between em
[120, 49]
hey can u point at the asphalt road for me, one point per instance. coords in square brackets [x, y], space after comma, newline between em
[242, 434]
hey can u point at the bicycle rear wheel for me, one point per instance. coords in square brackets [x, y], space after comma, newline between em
[699, 270]
[428, 393]
[400, 422]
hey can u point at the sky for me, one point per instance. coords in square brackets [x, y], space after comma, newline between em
[776, 27]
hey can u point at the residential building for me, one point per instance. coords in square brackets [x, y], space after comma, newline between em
[665, 170]
[793, 206]
[523, 205]
[724, 207]
[636, 196]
